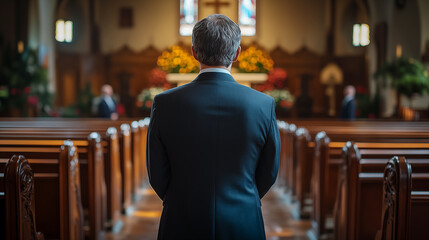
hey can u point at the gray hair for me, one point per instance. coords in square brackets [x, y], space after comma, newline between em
[216, 39]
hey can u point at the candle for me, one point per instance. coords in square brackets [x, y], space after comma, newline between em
[398, 51]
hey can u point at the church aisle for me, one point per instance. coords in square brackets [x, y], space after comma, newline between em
[279, 221]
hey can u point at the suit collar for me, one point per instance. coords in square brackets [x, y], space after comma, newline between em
[220, 70]
[214, 76]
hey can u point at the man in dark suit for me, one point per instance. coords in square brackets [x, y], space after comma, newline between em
[348, 106]
[106, 106]
[213, 145]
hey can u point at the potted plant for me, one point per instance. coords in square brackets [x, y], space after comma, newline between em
[24, 85]
[409, 77]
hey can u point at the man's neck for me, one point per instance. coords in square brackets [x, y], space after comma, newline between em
[203, 66]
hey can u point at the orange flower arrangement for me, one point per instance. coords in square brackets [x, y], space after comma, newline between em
[254, 60]
[177, 60]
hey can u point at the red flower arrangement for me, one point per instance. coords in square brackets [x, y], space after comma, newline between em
[276, 77]
[158, 78]
[276, 80]
[33, 100]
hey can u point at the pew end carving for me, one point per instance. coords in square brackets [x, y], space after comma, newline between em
[19, 200]
[396, 200]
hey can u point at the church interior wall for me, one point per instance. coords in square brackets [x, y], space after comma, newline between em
[349, 12]
[7, 15]
[424, 23]
[80, 16]
[155, 23]
[298, 23]
[292, 25]
[404, 29]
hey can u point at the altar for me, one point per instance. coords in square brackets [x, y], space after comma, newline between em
[246, 79]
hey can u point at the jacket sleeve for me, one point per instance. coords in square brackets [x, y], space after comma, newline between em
[268, 165]
[158, 166]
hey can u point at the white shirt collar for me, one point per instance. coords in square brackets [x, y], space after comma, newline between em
[218, 70]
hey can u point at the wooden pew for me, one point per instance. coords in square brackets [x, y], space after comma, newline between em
[321, 184]
[143, 125]
[17, 201]
[126, 168]
[136, 158]
[403, 210]
[78, 130]
[94, 193]
[358, 207]
[342, 131]
[74, 129]
[57, 186]
[419, 211]
[327, 161]
[302, 159]
[113, 181]
[282, 176]
[290, 158]
[97, 192]
[396, 200]
[70, 193]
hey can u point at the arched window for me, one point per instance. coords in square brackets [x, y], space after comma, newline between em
[360, 35]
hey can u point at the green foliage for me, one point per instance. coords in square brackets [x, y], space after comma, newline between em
[409, 76]
[85, 98]
[24, 83]
[283, 98]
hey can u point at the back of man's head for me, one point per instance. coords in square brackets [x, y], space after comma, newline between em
[216, 39]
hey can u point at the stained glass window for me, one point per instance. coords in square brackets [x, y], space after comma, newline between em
[188, 16]
[247, 17]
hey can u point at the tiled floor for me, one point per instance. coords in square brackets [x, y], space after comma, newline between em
[279, 221]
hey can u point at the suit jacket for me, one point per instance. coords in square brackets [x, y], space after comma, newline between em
[103, 109]
[212, 154]
[348, 109]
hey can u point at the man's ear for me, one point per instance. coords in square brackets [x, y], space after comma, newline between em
[194, 53]
[237, 54]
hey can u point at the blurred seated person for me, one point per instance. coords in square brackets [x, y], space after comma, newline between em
[348, 106]
[106, 105]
